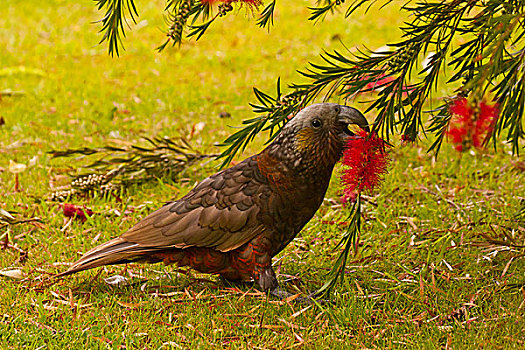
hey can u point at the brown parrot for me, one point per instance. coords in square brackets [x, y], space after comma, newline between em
[235, 221]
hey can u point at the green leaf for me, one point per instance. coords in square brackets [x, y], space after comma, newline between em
[266, 17]
[113, 21]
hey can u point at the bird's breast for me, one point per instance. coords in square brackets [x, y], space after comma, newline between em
[294, 199]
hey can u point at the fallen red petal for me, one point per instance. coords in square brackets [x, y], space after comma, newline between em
[73, 211]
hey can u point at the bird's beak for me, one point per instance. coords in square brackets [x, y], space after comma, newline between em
[353, 120]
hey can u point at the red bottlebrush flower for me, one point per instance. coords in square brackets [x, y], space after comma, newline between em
[460, 107]
[485, 123]
[470, 125]
[72, 211]
[365, 161]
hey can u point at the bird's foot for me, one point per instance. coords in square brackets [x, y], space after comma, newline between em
[267, 281]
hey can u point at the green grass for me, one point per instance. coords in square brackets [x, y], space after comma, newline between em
[430, 272]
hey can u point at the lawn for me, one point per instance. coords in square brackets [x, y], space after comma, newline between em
[440, 262]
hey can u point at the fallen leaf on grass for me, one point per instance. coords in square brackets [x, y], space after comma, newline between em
[299, 338]
[117, 281]
[11, 93]
[14, 273]
[168, 295]
[170, 344]
[300, 311]
[5, 216]
[16, 168]
[45, 306]
[292, 297]
[33, 161]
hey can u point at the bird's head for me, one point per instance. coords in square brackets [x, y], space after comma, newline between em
[316, 136]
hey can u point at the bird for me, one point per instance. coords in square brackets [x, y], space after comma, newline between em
[234, 222]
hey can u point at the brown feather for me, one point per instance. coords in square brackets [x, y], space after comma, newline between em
[115, 251]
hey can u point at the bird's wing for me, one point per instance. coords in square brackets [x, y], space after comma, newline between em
[220, 212]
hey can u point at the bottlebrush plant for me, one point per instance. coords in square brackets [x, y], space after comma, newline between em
[365, 162]
[489, 61]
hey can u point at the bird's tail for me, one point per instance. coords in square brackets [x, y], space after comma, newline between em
[115, 251]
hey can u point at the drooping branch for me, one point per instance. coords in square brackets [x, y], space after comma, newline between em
[488, 64]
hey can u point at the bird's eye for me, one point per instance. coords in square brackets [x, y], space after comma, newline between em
[316, 123]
